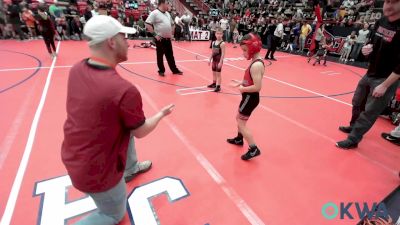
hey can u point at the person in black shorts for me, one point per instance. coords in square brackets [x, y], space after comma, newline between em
[217, 59]
[250, 88]
[375, 90]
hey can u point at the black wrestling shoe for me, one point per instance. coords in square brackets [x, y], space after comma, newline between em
[251, 153]
[346, 144]
[391, 138]
[235, 141]
[345, 129]
[213, 85]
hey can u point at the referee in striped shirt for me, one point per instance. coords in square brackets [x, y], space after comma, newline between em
[161, 25]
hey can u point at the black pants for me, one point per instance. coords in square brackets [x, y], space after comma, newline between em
[272, 49]
[178, 33]
[49, 41]
[187, 31]
[18, 30]
[164, 47]
[212, 38]
[367, 108]
[315, 49]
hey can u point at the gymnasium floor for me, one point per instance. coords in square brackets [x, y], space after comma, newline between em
[197, 178]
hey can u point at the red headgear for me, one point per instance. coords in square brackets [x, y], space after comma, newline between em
[253, 44]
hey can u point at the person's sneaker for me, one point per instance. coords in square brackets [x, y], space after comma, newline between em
[346, 144]
[217, 89]
[213, 85]
[273, 59]
[345, 129]
[391, 138]
[251, 153]
[235, 141]
[161, 74]
[142, 168]
[178, 72]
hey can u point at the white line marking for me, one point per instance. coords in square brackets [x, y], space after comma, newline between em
[284, 56]
[309, 91]
[394, 172]
[300, 124]
[325, 137]
[327, 71]
[196, 92]
[309, 129]
[125, 63]
[23, 68]
[191, 88]
[279, 114]
[216, 176]
[283, 82]
[154, 62]
[12, 199]
[333, 73]
[14, 128]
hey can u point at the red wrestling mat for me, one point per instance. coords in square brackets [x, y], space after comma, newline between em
[197, 178]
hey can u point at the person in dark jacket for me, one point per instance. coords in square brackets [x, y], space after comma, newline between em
[46, 27]
[14, 13]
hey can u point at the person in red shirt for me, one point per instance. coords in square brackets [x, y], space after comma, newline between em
[250, 88]
[104, 114]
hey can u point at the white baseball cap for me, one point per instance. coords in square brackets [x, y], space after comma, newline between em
[99, 28]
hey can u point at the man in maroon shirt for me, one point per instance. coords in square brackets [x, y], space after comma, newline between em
[104, 114]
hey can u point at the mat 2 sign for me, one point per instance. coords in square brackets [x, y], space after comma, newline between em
[200, 35]
[331, 211]
[56, 210]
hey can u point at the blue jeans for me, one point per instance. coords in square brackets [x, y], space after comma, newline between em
[111, 204]
[356, 50]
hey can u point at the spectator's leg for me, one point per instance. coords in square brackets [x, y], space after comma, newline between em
[47, 43]
[160, 56]
[169, 54]
[17, 28]
[373, 108]
[52, 44]
[359, 99]
[111, 206]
